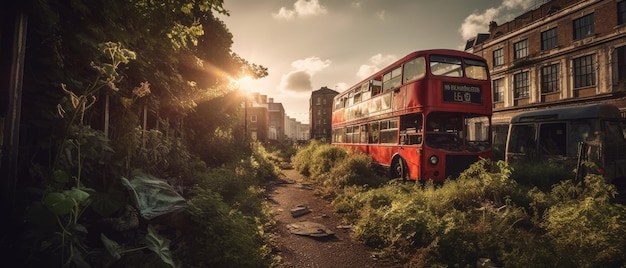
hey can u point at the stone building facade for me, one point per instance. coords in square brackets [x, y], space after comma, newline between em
[562, 53]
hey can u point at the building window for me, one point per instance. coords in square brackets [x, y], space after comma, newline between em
[621, 63]
[549, 39]
[324, 101]
[521, 85]
[319, 101]
[583, 27]
[253, 118]
[498, 57]
[621, 12]
[584, 72]
[550, 79]
[521, 49]
[498, 90]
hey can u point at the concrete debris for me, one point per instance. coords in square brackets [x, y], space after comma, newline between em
[309, 228]
[299, 210]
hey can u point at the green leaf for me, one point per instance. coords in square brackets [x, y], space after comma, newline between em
[77, 194]
[159, 245]
[60, 176]
[112, 247]
[58, 203]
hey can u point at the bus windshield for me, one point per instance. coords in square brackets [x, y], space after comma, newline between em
[457, 132]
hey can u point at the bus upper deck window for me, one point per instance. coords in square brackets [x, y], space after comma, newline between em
[414, 69]
[446, 66]
[475, 69]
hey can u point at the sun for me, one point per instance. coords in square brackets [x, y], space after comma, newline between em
[245, 83]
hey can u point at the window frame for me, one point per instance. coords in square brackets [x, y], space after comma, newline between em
[521, 88]
[498, 90]
[621, 12]
[550, 79]
[549, 39]
[520, 49]
[584, 72]
[583, 27]
[498, 57]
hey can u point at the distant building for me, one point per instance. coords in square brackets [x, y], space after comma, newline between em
[257, 118]
[276, 124]
[320, 113]
[562, 53]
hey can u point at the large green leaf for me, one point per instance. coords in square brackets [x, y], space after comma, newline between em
[58, 203]
[160, 245]
[77, 194]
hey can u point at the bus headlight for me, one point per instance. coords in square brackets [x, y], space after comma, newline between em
[433, 160]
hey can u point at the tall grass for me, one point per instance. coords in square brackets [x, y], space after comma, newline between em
[515, 217]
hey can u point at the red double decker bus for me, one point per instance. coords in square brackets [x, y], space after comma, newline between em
[425, 117]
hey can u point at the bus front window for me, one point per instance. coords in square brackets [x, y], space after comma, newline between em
[444, 131]
[477, 129]
[522, 139]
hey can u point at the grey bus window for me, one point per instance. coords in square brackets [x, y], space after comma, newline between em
[374, 132]
[389, 131]
[613, 132]
[414, 69]
[392, 79]
[522, 139]
[411, 129]
[364, 135]
[552, 139]
[577, 132]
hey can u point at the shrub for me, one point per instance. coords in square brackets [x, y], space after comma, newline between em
[220, 236]
[302, 159]
[540, 174]
[324, 159]
[584, 227]
[354, 169]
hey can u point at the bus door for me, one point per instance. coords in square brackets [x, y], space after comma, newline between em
[411, 134]
[614, 148]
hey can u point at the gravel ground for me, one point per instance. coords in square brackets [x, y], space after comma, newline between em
[337, 250]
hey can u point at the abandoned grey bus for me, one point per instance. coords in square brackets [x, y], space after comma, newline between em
[571, 135]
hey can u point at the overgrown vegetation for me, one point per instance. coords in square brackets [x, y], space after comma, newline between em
[492, 213]
[134, 156]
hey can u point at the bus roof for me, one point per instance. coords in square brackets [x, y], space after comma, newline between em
[410, 56]
[568, 113]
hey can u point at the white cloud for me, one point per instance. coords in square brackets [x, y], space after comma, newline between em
[376, 63]
[300, 79]
[301, 8]
[341, 87]
[479, 22]
[380, 15]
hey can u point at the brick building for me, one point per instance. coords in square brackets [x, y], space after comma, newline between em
[562, 53]
[320, 113]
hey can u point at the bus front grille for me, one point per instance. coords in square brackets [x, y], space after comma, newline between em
[455, 164]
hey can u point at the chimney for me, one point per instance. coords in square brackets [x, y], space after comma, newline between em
[270, 100]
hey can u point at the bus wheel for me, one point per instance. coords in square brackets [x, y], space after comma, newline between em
[398, 169]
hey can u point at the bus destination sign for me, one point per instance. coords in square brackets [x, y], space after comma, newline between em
[462, 93]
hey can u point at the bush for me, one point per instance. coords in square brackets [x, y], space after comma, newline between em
[584, 227]
[220, 236]
[324, 159]
[477, 216]
[540, 174]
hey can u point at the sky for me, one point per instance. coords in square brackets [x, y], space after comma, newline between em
[310, 44]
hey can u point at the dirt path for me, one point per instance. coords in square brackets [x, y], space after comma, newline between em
[337, 250]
